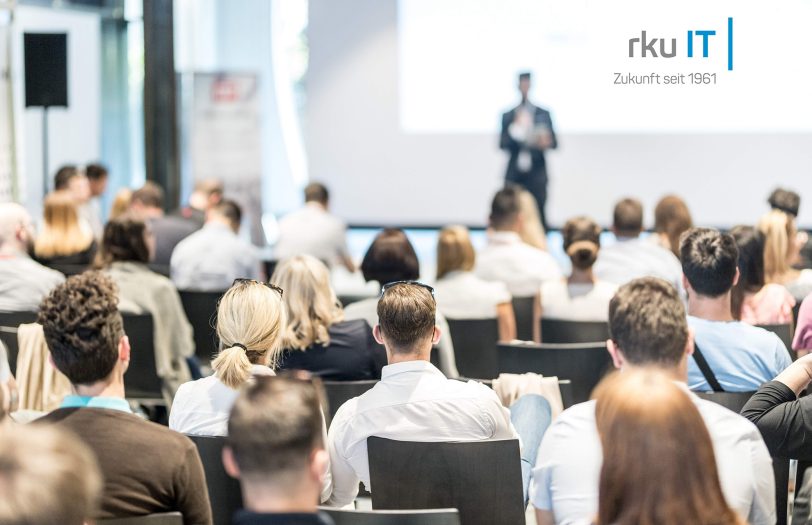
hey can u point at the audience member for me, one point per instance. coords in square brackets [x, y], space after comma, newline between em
[739, 357]
[632, 256]
[97, 176]
[785, 200]
[463, 295]
[276, 449]
[506, 258]
[532, 231]
[147, 468]
[206, 193]
[643, 420]
[753, 301]
[415, 401]
[148, 204]
[313, 230]
[48, 477]
[672, 218]
[648, 330]
[802, 342]
[317, 338]
[211, 258]
[581, 296]
[391, 258]
[250, 320]
[72, 180]
[126, 249]
[121, 203]
[62, 240]
[782, 248]
[23, 282]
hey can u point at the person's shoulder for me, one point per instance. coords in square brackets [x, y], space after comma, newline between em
[574, 421]
[350, 328]
[721, 419]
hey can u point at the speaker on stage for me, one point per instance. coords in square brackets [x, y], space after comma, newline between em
[46, 69]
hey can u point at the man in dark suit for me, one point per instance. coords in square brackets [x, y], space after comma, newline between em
[527, 132]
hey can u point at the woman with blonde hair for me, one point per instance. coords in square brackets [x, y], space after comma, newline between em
[62, 240]
[121, 203]
[317, 338]
[460, 293]
[532, 230]
[251, 318]
[782, 249]
[659, 466]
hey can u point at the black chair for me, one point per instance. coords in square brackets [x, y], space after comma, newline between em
[349, 299]
[201, 310]
[584, 364]
[784, 332]
[483, 479]
[70, 269]
[9, 321]
[564, 385]
[141, 382]
[393, 517]
[734, 401]
[165, 518]
[339, 392]
[269, 265]
[475, 346]
[225, 494]
[523, 311]
[561, 331]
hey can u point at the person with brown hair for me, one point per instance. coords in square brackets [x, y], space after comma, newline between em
[62, 239]
[672, 218]
[782, 249]
[659, 466]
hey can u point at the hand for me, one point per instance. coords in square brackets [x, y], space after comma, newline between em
[545, 141]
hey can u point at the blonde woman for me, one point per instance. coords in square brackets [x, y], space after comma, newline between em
[62, 239]
[781, 250]
[532, 230]
[317, 338]
[121, 203]
[460, 293]
[251, 318]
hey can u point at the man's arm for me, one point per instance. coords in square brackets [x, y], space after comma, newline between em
[762, 510]
[345, 480]
[544, 517]
[506, 142]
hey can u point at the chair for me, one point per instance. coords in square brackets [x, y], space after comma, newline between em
[483, 479]
[562, 331]
[9, 321]
[784, 332]
[349, 299]
[393, 517]
[564, 385]
[225, 494]
[523, 311]
[201, 310]
[475, 346]
[269, 265]
[339, 392]
[165, 518]
[734, 401]
[141, 381]
[70, 269]
[584, 364]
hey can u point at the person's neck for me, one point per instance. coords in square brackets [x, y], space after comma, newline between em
[111, 387]
[12, 249]
[218, 221]
[581, 276]
[710, 308]
[678, 373]
[626, 236]
[405, 357]
[269, 499]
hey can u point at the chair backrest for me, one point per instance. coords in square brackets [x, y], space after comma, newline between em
[734, 401]
[475, 346]
[562, 331]
[9, 321]
[482, 479]
[393, 517]
[70, 269]
[346, 299]
[584, 364]
[784, 332]
[165, 518]
[564, 386]
[339, 392]
[523, 311]
[201, 310]
[225, 494]
[141, 380]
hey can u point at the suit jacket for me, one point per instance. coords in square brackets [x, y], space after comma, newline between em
[541, 117]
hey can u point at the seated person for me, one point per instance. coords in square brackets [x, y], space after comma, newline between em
[643, 419]
[415, 402]
[581, 296]
[566, 477]
[211, 258]
[62, 240]
[672, 218]
[463, 295]
[802, 342]
[317, 338]
[740, 357]
[147, 468]
[276, 449]
[74, 182]
[98, 177]
[206, 194]
[506, 258]
[532, 231]
[23, 282]
[390, 258]
[782, 250]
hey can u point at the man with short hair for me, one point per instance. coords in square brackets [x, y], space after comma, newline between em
[212, 257]
[206, 194]
[147, 203]
[147, 468]
[648, 329]
[507, 258]
[313, 230]
[740, 357]
[72, 180]
[23, 281]
[97, 176]
[276, 449]
[414, 401]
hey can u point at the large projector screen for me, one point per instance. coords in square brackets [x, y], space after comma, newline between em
[405, 99]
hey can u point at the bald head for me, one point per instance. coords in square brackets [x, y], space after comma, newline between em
[16, 231]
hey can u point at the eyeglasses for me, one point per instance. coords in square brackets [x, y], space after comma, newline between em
[273, 287]
[414, 283]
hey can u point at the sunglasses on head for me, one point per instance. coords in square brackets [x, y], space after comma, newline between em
[412, 283]
[273, 287]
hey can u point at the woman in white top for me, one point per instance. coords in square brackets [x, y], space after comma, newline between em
[250, 320]
[782, 249]
[579, 297]
[460, 293]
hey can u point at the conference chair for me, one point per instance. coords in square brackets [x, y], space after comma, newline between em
[734, 401]
[201, 310]
[393, 517]
[339, 392]
[523, 311]
[141, 382]
[584, 364]
[563, 331]
[165, 518]
[482, 479]
[475, 346]
[9, 321]
[564, 386]
[349, 299]
[784, 332]
[225, 494]
[269, 265]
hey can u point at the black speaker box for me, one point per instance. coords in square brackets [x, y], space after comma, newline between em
[46, 69]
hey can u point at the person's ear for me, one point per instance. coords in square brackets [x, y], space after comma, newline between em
[737, 276]
[230, 463]
[124, 349]
[689, 344]
[435, 337]
[617, 355]
[319, 464]
[685, 284]
[376, 333]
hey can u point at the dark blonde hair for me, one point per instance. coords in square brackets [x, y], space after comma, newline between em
[61, 233]
[454, 251]
[672, 218]
[582, 240]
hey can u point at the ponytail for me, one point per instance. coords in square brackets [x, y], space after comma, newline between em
[232, 367]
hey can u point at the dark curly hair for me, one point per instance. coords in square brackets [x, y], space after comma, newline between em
[83, 326]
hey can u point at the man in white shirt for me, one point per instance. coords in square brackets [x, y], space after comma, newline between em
[564, 487]
[312, 230]
[212, 257]
[415, 401]
[506, 258]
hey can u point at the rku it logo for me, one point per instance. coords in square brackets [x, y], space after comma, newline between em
[701, 36]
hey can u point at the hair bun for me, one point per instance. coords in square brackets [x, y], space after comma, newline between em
[583, 254]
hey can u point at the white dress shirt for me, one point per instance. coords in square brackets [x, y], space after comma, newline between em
[520, 266]
[24, 283]
[412, 402]
[565, 480]
[633, 257]
[463, 295]
[576, 302]
[312, 230]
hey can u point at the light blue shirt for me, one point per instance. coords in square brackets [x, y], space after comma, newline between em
[742, 357]
[112, 403]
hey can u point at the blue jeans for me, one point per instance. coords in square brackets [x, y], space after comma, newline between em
[530, 415]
